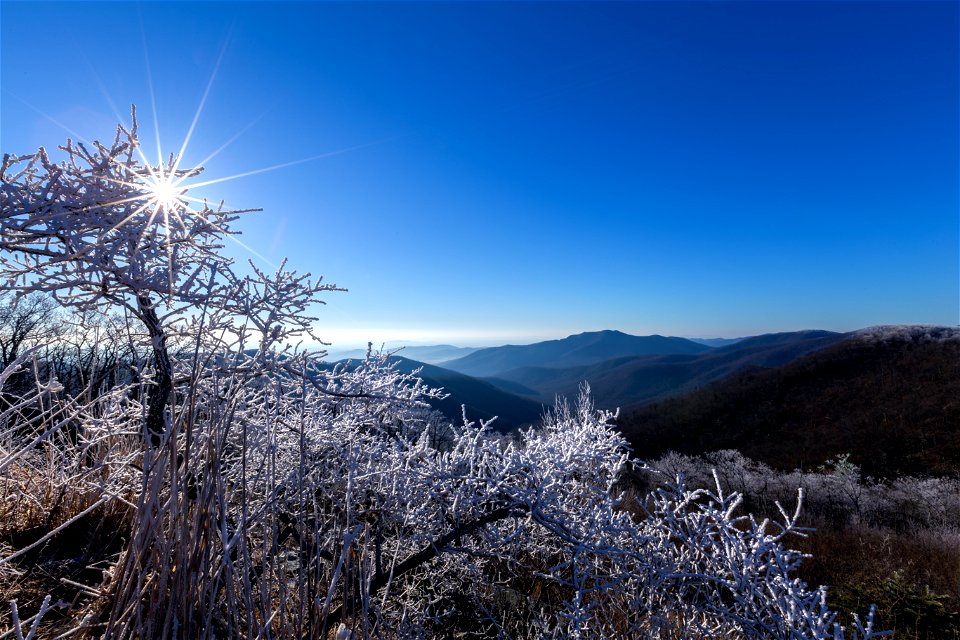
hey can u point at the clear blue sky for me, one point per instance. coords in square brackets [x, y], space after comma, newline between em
[515, 171]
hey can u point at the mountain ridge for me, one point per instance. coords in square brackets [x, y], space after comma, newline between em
[888, 396]
[574, 350]
[475, 397]
[429, 354]
[632, 380]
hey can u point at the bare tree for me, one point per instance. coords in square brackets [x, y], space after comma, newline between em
[27, 320]
[101, 228]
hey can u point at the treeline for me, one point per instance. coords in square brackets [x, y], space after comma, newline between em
[86, 353]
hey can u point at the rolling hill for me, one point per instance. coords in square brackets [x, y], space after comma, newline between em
[430, 354]
[716, 342]
[579, 349]
[890, 397]
[633, 380]
[481, 399]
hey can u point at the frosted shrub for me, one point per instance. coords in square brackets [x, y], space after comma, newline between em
[837, 491]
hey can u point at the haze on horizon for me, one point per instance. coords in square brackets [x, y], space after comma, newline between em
[485, 173]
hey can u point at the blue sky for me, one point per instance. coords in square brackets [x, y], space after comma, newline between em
[517, 171]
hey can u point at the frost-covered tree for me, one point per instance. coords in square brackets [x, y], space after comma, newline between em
[296, 499]
[102, 229]
[24, 322]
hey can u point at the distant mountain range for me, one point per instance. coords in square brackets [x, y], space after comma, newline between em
[716, 342]
[645, 368]
[433, 354]
[476, 398]
[575, 350]
[888, 396]
[479, 398]
[636, 379]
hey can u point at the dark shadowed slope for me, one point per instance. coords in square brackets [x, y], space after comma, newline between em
[624, 382]
[513, 387]
[890, 397]
[580, 349]
[716, 342]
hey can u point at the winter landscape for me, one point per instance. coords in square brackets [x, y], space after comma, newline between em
[646, 320]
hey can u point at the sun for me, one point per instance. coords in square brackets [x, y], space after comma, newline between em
[165, 192]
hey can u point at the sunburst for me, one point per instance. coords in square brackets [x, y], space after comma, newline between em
[161, 189]
[165, 192]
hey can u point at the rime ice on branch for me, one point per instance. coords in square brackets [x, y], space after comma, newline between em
[104, 229]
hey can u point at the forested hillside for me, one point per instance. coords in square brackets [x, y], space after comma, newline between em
[576, 350]
[627, 380]
[476, 398]
[870, 429]
[888, 398]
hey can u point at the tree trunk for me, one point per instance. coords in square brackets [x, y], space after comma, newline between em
[157, 402]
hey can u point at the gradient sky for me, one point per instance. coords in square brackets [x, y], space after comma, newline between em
[518, 171]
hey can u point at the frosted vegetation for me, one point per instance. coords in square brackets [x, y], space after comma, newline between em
[910, 333]
[258, 492]
[837, 493]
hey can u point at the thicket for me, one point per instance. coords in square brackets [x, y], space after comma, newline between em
[894, 542]
[197, 475]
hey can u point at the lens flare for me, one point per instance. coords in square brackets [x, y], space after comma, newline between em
[165, 193]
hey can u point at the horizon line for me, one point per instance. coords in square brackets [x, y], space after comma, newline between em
[479, 340]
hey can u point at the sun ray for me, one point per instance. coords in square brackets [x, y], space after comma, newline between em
[109, 203]
[166, 194]
[103, 89]
[146, 227]
[123, 182]
[104, 205]
[180, 220]
[157, 191]
[77, 136]
[231, 140]
[130, 217]
[243, 245]
[203, 102]
[169, 247]
[46, 115]
[153, 98]
[161, 188]
[233, 237]
[289, 164]
[113, 107]
[123, 166]
[203, 201]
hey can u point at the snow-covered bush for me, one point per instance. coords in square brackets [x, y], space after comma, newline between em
[268, 494]
[837, 492]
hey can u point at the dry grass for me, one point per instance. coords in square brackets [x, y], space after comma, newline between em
[216, 534]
